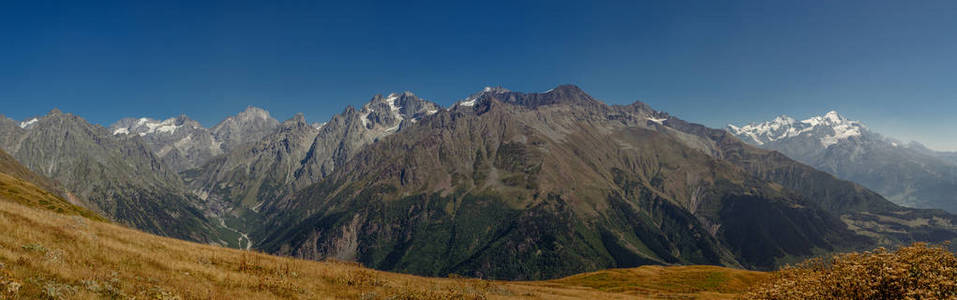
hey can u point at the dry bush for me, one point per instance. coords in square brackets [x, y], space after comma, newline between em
[918, 271]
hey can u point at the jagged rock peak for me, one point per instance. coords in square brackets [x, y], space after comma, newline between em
[28, 123]
[562, 94]
[495, 90]
[391, 110]
[567, 89]
[568, 93]
[394, 98]
[252, 112]
[471, 99]
[146, 126]
[299, 118]
[183, 119]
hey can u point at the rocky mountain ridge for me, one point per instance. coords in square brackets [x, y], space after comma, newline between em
[298, 154]
[501, 184]
[524, 186]
[185, 144]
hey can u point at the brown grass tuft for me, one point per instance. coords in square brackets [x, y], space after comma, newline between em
[918, 271]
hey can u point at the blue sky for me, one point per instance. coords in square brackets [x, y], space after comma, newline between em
[892, 64]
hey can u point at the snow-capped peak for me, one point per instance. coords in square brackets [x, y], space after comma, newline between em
[784, 119]
[145, 126]
[399, 106]
[833, 116]
[395, 108]
[467, 102]
[829, 129]
[26, 124]
[391, 100]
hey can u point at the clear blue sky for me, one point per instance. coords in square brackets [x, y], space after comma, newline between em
[892, 64]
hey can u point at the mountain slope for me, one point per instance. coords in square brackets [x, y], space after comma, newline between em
[298, 154]
[249, 174]
[246, 127]
[47, 255]
[864, 211]
[531, 186]
[180, 142]
[20, 185]
[119, 178]
[907, 174]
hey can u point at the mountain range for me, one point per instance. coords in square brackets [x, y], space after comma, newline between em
[185, 144]
[113, 176]
[908, 174]
[501, 184]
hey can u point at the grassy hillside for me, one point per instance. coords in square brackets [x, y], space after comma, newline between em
[709, 282]
[12, 167]
[20, 185]
[49, 255]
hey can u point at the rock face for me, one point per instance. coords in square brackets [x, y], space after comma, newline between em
[346, 133]
[907, 174]
[298, 154]
[20, 185]
[117, 177]
[529, 186]
[180, 142]
[185, 144]
[248, 126]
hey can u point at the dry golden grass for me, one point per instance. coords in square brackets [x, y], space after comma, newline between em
[710, 282]
[27, 193]
[49, 255]
[918, 271]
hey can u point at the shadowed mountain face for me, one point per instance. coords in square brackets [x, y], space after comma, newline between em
[117, 177]
[907, 174]
[526, 186]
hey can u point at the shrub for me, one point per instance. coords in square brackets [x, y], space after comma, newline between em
[918, 271]
[54, 290]
[34, 247]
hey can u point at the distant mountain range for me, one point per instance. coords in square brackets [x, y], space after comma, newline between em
[184, 144]
[908, 174]
[501, 184]
[114, 176]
